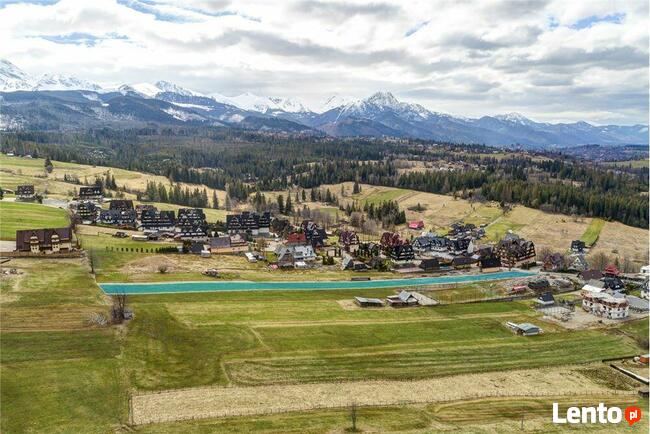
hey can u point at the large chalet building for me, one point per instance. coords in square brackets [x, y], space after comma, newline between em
[92, 193]
[513, 250]
[46, 241]
[249, 222]
[25, 193]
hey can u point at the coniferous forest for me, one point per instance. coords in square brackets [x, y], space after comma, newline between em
[243, 162]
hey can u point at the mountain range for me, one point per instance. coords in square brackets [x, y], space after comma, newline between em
[57, 102]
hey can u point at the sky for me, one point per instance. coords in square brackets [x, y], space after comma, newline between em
[550, 60]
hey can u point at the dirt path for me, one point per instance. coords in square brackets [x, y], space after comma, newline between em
[208, 402]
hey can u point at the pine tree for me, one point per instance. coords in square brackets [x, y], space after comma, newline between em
[281, 204]
[288, 207]
[215, 200]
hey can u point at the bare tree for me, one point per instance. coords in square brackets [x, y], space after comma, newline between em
[118, 309]
[599, 260]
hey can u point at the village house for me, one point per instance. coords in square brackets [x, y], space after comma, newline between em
[290, 254]
[121, 204]
[611, 271]
[348, 263]
[590, 274]
[578, 246]
[92, 193]
[25, 193]
[369, 250]
[349, 240]
[118, 217]
[401, 252]
[605, 305]
[514, 250]
[44, 240]
[191, 225]
[87, 212]
[463, 262]
[546, 299]
[578, 263]
[429, 265]
[314, 234]
[416, 225]
[489, 264]
[249, 222]
[553, 262]
[154, 220]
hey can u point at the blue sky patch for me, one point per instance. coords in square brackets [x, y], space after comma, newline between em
[587, 22]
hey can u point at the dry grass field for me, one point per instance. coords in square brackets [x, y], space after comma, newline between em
[238, 401]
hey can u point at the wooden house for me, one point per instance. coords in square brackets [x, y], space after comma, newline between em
[121, 204]
[314, 234]
[152, 219]
[490, 264]
[430, 264]
[92, 193]
[117, 217]
[44, 240]
[349, 240]
[463, 262]
[87, 212]
[553, 262]
[249, 222]
[578, 246]
[25, 193]
[513, 250]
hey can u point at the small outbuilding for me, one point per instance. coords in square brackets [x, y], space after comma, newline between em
[524, 329]
[546, 299]
[368, 302]
[403, 299]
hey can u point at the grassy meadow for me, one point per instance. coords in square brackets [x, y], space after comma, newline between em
[62, 374]
[23, 215]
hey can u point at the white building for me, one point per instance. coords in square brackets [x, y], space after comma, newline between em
[605, 305]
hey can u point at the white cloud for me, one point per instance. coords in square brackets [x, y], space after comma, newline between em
[551, 60]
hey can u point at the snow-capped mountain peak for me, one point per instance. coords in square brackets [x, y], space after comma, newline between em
[12, 77]
[262, 104]
[63, 82]
[383, 99]
[514, 117]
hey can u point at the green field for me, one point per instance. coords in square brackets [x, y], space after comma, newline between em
[593, 231]
[60, 374]
[17, 215]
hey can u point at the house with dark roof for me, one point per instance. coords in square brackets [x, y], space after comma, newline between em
[490, 264]
[47, 241]
[554, 262]
[249, 222]
[153, 219]
[401, 252]
[513, 250]
[578, 246]
[92, 193]
[545, 299]
[25, 193]
[349, 240]
[430, 264]
[314, 234]
[118, 217]
[590, 274]
[87, 212]
[463, 262]
[121, 204]
[348, 263]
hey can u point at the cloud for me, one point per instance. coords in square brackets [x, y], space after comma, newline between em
[545, 59]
